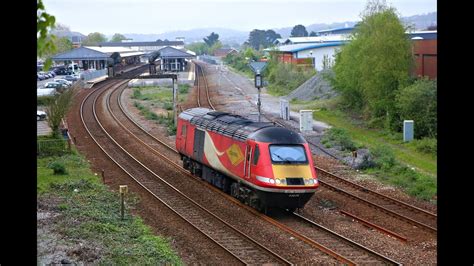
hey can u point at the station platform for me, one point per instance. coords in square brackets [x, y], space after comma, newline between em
[90, 83]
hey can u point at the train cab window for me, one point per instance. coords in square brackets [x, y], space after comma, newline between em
[183, 130]
[256, 154]
[288, 154]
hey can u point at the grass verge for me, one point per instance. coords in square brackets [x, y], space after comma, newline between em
[90, 213]
[415, 167]
[406, 153]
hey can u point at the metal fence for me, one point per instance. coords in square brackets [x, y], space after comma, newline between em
[93, 74]
[52, 147]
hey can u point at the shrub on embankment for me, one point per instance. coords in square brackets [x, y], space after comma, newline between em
[89, 213]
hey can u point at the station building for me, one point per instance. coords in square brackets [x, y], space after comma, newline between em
[172, 59]
[97, 58]
[144, 46]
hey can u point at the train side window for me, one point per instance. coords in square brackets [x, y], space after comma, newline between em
[256, 154]
[183, 130]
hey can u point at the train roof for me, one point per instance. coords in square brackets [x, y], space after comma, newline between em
[240, 128]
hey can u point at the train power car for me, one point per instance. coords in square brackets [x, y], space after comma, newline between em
[262, 165]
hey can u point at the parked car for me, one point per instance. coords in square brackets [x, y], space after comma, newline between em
[70, 78]
[56, 85]
[40, 76]
[63, 81]
[46, 75]
[52, 73]
[40, 115]
[46, 92]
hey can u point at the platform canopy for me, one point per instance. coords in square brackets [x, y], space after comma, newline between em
[81, 53]
[170, 52]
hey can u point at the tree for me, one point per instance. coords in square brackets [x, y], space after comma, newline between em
[262, 39]
[118, 37]
[61, 45]
[313, 33]
[58, 108]
[375, 64]
[214, 47]
[199, 48]
[44, 24]
[94, 39]
[211, 39]
[299, 31]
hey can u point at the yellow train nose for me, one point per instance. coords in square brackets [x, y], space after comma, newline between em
[293, 175]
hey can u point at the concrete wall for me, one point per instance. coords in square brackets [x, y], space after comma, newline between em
[318, 55]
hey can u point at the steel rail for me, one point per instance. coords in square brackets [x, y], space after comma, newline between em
[177, 191]
[369, 191]
[347, 240]
[268, 219]
[206, 87]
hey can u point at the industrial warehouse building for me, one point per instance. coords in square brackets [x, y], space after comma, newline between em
[319, 51]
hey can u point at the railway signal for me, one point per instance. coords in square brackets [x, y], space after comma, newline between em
[257, 68]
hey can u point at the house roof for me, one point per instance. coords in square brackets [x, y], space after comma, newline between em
[170, 52]
[344, 29]
[293, 48]
[426, 35]
[156, 43]
[81, 53]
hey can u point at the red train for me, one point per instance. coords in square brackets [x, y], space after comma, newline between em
[261, 164]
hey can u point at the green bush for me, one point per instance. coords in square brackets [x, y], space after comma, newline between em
[183, 88]
[284, 78]
[340, 137]
[426, 145]
[418, 102]
[44, 100]
[51, 146]
[168, 106]
[383, 157]
[58, 168]
[136, 93]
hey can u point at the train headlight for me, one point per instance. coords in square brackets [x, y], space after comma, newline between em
[278, 182]
[309, 182]
[265, 179]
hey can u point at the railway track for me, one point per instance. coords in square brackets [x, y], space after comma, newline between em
[349, 249]
[161, 149]
[235, 242]
[203, 99]
[396, 208]
[391, 206]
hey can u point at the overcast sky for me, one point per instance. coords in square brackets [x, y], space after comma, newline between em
[158, 16]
